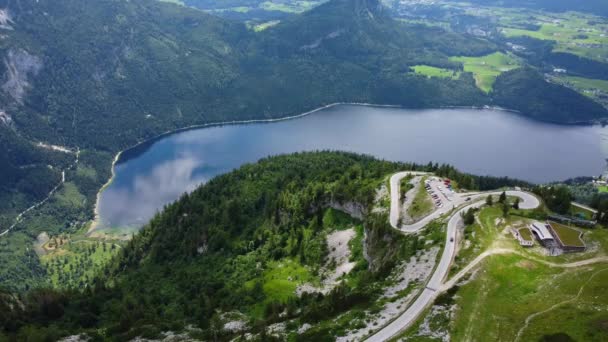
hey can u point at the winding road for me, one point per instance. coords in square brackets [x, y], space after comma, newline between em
[436, 284]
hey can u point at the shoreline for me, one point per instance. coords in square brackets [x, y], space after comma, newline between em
[96, 221]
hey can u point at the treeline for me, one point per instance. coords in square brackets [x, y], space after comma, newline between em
[473, 182]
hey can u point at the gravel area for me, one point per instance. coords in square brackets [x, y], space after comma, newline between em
[417, 269]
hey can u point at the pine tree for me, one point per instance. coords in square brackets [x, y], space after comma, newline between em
[489, 200]
[502, 198]
[505, 209]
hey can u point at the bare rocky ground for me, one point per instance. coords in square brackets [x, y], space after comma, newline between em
[5, 20]
[339, 255]
[432, 327]
[381, 200]
[41, 239]
[407, 275]
[19, 65]
[5, 119]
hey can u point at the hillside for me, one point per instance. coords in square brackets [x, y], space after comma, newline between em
[527, 91]
[221, 249]
[257, 246]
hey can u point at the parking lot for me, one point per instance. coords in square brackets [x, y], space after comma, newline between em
[440, 190]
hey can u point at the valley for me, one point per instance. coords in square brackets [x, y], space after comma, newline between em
[349, 170]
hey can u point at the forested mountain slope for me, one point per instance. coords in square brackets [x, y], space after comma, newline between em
[238, 247]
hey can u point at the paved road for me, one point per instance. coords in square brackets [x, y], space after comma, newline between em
[449, 203]
[434, 285]
[528, 201]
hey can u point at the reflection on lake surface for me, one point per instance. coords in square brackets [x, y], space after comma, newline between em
[476, 141]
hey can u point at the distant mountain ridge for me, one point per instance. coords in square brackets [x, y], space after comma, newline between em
[598, 7]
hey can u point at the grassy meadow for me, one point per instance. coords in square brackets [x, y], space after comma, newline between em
[485, 69]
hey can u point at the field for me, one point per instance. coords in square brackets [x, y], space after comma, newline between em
[282, 278]
[571, 33]
[290, 7]
[487, 233]
[485, 69]
[259, 14]
[430, 71]
[569, 236]
[495, 305]
[265, 25]
[586, 84]
[74, 263]
[477, 238]
[581, 34]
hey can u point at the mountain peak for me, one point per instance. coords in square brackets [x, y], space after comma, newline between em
[369, 9]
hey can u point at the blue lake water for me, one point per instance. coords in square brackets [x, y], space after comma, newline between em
[483, 142]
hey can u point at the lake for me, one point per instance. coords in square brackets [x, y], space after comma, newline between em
[484, 142]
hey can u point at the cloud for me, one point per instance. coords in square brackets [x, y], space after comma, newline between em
[133, 206]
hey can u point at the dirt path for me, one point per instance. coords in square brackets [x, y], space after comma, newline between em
[497, 251]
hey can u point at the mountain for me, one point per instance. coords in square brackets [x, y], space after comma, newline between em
[91, 78]
[236, 250]
[527, 91]
[597, 7]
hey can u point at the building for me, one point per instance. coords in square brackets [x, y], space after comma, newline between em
[567, 242]
[549, 238]
[523, 236]
[542, 233]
